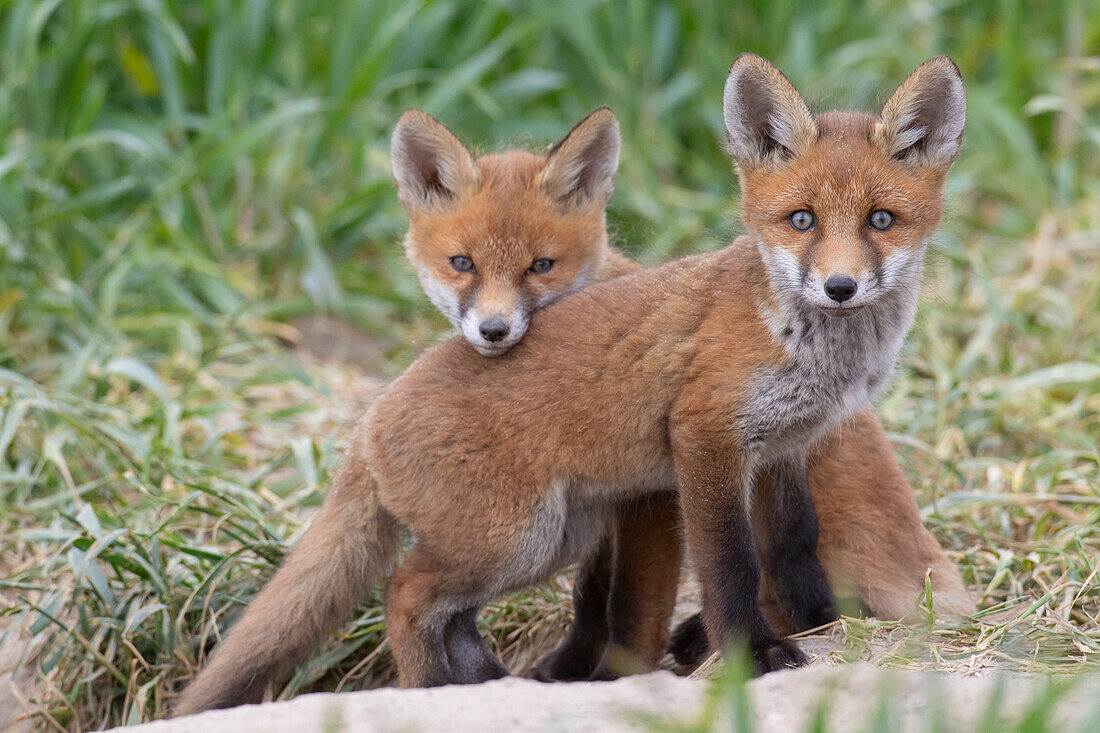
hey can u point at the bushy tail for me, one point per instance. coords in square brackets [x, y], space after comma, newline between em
[350, 546]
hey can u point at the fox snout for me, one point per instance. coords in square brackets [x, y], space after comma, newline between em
[841, 287]
[845, 289]
[841, 291]
[490, 326]
[493, 332]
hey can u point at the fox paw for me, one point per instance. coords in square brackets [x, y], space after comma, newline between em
[776, 655]
[689, 645]
[559, 667]
[812, 618]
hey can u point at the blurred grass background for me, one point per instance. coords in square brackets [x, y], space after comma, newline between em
[179, 181]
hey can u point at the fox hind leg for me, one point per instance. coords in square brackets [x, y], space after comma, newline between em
[470, 658]
[577, 656]
[648, 555]
[443, 578]
[417, 612]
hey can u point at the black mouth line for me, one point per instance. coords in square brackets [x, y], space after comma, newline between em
[492, 350]
[841, 311]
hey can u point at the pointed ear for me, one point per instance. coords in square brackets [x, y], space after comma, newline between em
[580, 168]
[923, 121]
[430, 164]
[766, 120]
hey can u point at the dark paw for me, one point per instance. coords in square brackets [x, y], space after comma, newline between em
[542, 672]
[555, 667]
[777, 655]
[815, 617]
[809, 603]
[689, 645]
[492, 670]
[824, 615]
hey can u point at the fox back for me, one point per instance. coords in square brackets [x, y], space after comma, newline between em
[495, 238]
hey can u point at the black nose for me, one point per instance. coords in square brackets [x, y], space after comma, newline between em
[840, 288]
[493, 329]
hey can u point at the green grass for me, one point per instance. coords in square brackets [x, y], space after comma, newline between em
[179, 180]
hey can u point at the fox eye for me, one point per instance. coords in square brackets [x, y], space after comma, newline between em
[462, 263]
[541, 265]
[801, 220]
[881, 219]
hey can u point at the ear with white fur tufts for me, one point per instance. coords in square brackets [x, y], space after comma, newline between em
[580, 168]
[766, 120]
[923, 121]
[430, 164]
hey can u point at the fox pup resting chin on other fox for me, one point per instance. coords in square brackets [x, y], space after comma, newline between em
[695, 376]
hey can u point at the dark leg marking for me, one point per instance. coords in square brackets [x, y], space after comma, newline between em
[689, 645]
[738, 591]
[790, 546]
[471, 659]
[577, 657]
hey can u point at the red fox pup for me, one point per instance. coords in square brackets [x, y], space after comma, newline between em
[696, 377]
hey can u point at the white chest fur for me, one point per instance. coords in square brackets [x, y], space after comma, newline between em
[836, 366]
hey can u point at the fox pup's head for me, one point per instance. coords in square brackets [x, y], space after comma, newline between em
[842, 203]
[496, 238]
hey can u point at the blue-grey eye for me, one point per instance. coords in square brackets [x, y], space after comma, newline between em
[541, 265]
[462, 263]
[881, 219]
[801, 220]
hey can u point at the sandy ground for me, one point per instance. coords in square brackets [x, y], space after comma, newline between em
[783, 701]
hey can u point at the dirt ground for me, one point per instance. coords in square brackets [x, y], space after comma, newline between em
[781, 702]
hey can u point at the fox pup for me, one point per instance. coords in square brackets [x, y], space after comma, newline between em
[695, 377]
[500, 248]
